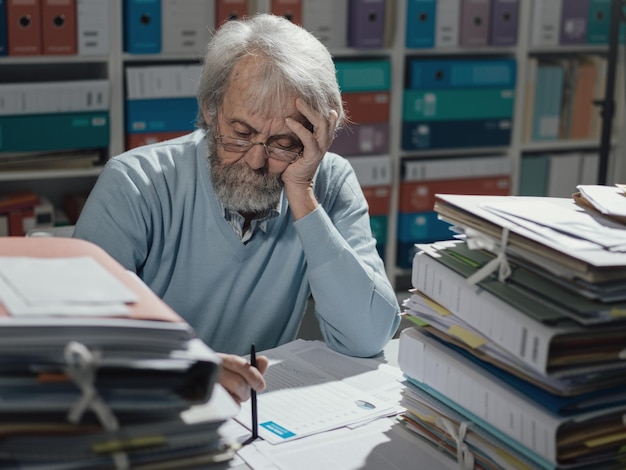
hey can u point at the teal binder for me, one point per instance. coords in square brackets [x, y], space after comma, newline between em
[548, 98]
[61, 131]
[599, 22]
[534, 175]
[363, 75]
[451, 104]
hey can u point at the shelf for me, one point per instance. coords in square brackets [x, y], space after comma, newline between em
[28, 175]
[560, 145]
[52, 59]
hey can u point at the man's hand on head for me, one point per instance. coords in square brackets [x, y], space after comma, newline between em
[298, 177]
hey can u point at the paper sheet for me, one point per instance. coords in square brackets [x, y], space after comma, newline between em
[61, 286]
[306, 397]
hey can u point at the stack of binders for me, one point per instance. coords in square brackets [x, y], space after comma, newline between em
[516, 359]
[83, 389]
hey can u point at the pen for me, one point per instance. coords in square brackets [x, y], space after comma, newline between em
[255, 418]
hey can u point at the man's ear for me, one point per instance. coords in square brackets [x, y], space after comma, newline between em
[206, 115]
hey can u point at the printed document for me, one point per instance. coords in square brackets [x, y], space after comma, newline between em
[312, 389]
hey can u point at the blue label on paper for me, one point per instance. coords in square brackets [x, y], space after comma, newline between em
[272, 427]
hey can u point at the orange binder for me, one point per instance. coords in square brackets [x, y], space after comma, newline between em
[290, 9]
[367, 107]
[144, 138]
[378, 199]
[24, 27]
[419, 196]
[583, 101]
[58, 19]
[226, 10]
[25, 199]
[20, 221]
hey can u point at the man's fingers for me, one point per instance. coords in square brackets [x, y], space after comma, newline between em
[237, 376]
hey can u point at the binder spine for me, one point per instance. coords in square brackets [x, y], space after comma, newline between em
[502, 323]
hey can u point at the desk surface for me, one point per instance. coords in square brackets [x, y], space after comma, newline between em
[383, 443]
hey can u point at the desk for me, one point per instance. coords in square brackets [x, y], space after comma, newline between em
[382, 444]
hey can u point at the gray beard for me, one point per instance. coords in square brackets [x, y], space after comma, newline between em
[241, 188]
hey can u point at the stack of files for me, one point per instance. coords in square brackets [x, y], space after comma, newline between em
[67, 114]
[522, 431]
[436, 423]
[523, 335]
[444, 24]
[421, 179]
[95, 369]
[375, 177]
[552, 233]
[452, 103]
[366, 89]
[160, 102]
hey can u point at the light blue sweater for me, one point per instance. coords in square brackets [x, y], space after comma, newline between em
[154, 210]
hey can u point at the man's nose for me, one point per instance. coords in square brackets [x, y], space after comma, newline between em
[256, 158]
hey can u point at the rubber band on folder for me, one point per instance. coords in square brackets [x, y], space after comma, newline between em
[464, 455]
[500, 263]
[82, 365]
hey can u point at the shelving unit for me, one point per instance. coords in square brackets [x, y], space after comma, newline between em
[53, 183]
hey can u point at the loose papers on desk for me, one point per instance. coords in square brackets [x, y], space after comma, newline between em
[312, 389]
[607, 200]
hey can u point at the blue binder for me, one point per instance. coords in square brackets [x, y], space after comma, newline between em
[460, 73]
[161, 114]
[3, 28]
[455, 134]
[142, 26]
[422, 227]
[420, 23]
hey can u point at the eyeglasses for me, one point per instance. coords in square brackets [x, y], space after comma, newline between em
[232, 144]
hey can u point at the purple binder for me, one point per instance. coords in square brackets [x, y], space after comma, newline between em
[504, 22]
[574, 15]
[475, 18]
[366, 23]
[362, 139]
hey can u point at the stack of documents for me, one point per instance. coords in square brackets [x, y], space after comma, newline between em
[95, 370]
[519, 337]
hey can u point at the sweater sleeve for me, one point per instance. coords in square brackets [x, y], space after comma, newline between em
[355, 304]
